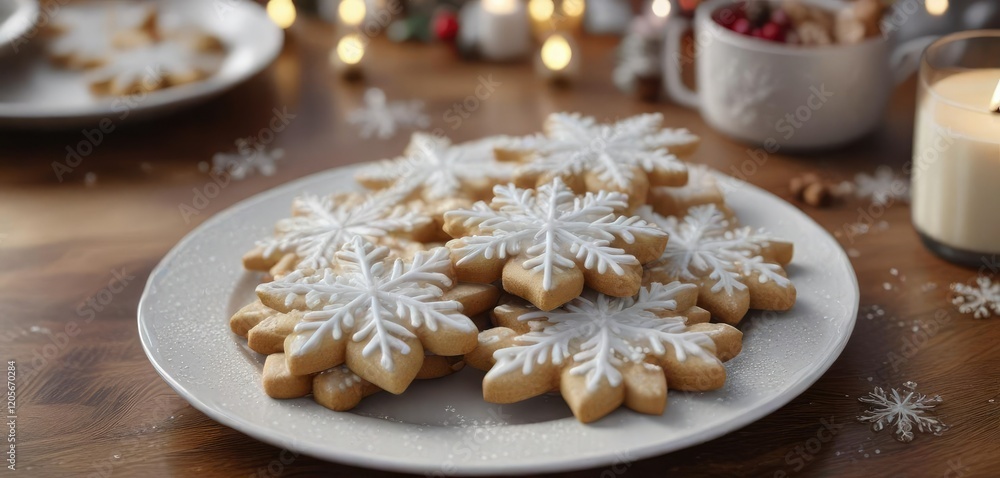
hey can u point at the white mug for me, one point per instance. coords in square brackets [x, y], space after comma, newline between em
[782, 96]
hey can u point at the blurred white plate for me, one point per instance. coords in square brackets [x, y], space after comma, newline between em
[16, 18]
[36, 93]
[444, 427]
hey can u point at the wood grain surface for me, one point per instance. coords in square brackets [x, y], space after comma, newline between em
[75, 254]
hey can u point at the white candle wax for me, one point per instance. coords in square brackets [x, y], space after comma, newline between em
[504, 33]
[956, 170]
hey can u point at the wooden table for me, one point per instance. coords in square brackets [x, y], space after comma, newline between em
[78, 251]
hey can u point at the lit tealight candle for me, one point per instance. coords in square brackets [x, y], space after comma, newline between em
[956, 149]
[352, 12]
[346, 57]
[556, 61]
[281, 12]
[503, 30]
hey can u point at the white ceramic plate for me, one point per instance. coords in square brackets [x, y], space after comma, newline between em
[35, 93]
[16, 19]
[444, 426]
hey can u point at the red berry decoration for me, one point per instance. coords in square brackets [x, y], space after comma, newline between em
[728, 15]
[773, 32]
[780, 17]
[757, 33]
[742, 26]
[446, 26]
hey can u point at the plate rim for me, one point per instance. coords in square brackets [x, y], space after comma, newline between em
[25, 11]
[385, 462]
[183, 95]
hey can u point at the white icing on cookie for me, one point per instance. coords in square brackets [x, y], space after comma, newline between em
[576, 144]
[345, 378]
[705, 245]
[369, 299]
[438, 169]
[85, 34]
[148, 66]
[602, 333]
[554, 228]
[321, 225]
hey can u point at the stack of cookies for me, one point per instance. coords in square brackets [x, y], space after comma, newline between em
[587, 260]
[130, 48]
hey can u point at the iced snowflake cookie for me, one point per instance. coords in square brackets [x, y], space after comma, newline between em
[337, 388]
[602, 352]
[162, 63]
[267, 330]
[702, 188]
[127, 48]
[86, 35]
[628, 156]
[735, 268]
[439, 175]
[377, 317]
[546, 244]
[321, 225]
[434, 169]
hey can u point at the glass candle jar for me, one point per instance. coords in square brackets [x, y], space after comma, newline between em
[956, 150]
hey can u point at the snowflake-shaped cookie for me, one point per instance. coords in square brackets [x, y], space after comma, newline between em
[381, 118]
[377, 317]
[434, 169]
[153, 66]
[628, 156]
[86, 36]
[601, 352]
[702, 188]
[903, 410]
[547, 243]
[736, 268]
[321, 225]
[982, 300]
